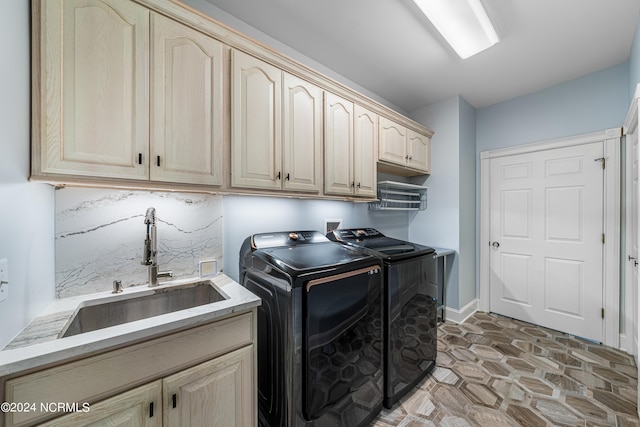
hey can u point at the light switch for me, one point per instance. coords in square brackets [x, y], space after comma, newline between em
[4, 279]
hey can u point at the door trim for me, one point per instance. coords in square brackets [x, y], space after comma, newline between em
[611, 262]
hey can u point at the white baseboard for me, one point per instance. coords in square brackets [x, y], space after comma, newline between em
[460, 315]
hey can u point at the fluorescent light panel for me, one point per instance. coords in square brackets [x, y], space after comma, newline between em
[463, 23]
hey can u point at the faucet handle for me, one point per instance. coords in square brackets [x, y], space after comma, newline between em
[117, 287]
[146, 253]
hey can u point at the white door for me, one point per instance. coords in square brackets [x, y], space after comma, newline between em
[546, 258]
[631, 282]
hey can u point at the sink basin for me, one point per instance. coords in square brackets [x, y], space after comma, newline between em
[161, 301]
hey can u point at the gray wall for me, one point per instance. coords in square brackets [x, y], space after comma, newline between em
[449, 220]
[26, 209]
[634, 64]
[591, 103]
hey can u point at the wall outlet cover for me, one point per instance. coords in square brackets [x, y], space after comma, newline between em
[332, 224]
[208, 268]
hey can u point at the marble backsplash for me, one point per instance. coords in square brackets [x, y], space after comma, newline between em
[100, 236]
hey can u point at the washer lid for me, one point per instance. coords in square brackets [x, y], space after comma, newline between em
[373, 240]
[315, 256]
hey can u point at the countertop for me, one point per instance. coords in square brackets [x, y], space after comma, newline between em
[38, 344]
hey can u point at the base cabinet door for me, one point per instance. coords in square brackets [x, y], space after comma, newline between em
[217, 393]
[140, 407]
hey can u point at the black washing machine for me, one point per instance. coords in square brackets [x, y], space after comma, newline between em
[320, 329]
[410, 307]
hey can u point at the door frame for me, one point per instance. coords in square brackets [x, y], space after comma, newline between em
[611, 251]
[626, 341]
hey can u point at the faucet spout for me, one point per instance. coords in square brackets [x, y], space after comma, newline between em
[150, 252]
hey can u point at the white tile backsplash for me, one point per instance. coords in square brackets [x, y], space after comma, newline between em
[100, 235]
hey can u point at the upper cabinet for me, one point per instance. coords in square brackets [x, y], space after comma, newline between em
[151, 94]
[187, 100]
[276, 128]
[403, 151]
[92, 115]
[350, 142]
[104, 65]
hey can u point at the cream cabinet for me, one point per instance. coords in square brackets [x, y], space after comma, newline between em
[187, 99]
[365, 146]
[404, 148]
[140, 407]
[205, 376]
[217, 393]
[214, 393]
[101, 65]
[276, 136]
[92, 115]
[350, 141]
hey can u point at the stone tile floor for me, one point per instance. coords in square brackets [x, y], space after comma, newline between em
[494, 371]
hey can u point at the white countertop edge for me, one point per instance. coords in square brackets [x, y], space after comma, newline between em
[58, 350]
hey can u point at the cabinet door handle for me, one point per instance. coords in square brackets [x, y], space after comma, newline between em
[287, 178]
[358, 185]
[278, 176]
[158, 161]
[151, 410]
[139, 158]
[174, 400]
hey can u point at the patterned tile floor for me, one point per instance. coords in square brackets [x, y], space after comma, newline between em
[494, 371]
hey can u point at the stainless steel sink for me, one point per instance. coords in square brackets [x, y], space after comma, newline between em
[161, 301]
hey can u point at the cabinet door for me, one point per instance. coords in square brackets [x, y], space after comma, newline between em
[256, 89]
[365, 145]
[419, 150]
[140, 407]
[186, 79]
[393, 145]
[218, 393]
[302, 135]
[338, 139]
[94, 107]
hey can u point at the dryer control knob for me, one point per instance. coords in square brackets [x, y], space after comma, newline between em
[293, 236]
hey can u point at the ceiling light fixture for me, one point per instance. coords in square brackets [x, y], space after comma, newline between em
[463, 23]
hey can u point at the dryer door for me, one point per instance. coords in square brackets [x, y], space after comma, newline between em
[342, 353]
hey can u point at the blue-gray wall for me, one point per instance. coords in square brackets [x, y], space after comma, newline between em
[26, 208]
[591, 103]
[634, 64]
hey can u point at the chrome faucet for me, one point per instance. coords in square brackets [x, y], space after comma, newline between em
[149, 256]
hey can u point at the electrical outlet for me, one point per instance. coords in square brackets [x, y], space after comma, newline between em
[4, 279]
[208, 268]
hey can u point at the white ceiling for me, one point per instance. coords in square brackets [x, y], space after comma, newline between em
[389, 48]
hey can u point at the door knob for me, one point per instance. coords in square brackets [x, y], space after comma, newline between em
[635, 260]
[495, 245]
